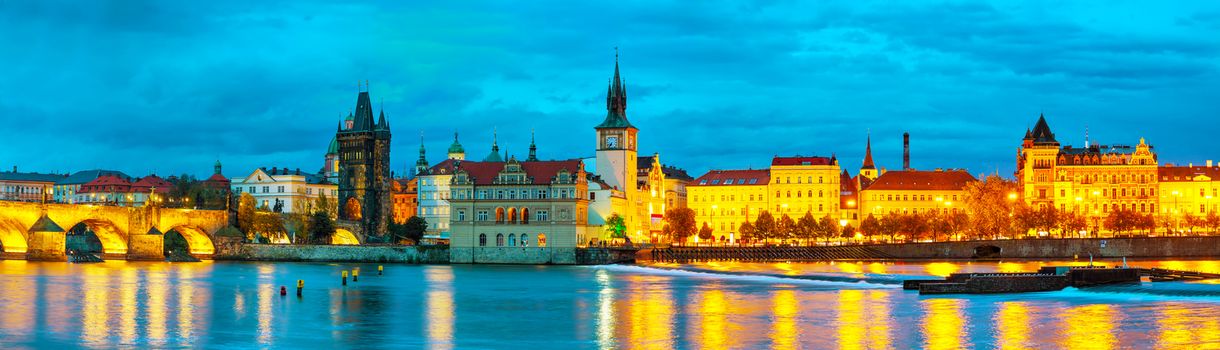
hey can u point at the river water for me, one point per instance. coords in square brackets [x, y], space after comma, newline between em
[219, 305]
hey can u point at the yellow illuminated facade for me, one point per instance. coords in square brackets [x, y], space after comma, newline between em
[724, 199]
[1189, 191]
[915, 191]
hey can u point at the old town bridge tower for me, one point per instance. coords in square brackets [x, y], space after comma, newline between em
[364, 170]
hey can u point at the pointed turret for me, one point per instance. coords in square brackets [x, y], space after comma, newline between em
[1042, 132]
[421, 165]
[868, 154]
[364, 113]
[495, 148]
[616, 101]
[382, 124]
[533, 149]
[216, 168]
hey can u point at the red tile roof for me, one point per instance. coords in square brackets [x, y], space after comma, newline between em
[799, 160]
[444, 168]
[736, 177]
[151, 183]
[1186, 173]
[106, 183]
[922, 180]
[542, 172]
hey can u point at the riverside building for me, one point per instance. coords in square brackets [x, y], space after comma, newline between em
[1091, 181]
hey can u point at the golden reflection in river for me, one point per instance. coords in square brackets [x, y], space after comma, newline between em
[265, 292]
[156, 308]
[185, 307]
[17, 292]
[863, 319]
[440, 314]
[877, 268]
[785, 309]
[1089, 327]
[129, 284]
[1180, 327]
[850, 320]
[942, 269]
[943, 323]
[849, 267]
[712, 329]
[97, 299]
[650, 312]
[1012, 323]
[605, 311]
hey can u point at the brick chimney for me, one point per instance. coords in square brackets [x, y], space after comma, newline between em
[906, 151]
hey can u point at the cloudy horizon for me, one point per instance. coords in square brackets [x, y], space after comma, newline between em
[169, 88]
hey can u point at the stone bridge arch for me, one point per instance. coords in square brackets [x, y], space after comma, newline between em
[347, 233]
[113, 238]
[197, 239]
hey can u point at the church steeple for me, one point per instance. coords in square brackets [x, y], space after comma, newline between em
[421, 165]
[533, 149]
[868, 154]
[456, 151]
[616, 101]
[216, 168]
[868, 170]
[495, 148]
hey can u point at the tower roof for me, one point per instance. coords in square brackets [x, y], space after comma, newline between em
[364, 113]
[616, 102]
[456, 147]
[334, 146]
[495, 149]
[1042, 132]
[868, 154]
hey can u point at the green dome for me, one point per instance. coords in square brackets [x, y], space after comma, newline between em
[456, 147]
[334, 146]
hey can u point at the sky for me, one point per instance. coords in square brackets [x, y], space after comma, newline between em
[169, 87]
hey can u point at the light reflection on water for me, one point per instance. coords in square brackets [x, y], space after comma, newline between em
[727, 305]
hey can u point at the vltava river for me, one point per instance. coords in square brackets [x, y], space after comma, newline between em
[711, 306]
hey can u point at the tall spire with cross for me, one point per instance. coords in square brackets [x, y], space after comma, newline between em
[533, 149]
[616, 100]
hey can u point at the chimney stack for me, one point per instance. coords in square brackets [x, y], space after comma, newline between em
[1209, 164]
[906, 151]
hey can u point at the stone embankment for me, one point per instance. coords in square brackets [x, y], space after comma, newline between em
[333, 253]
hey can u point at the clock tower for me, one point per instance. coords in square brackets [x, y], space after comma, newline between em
[616, 140]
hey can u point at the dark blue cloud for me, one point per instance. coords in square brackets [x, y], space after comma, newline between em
[146, 86]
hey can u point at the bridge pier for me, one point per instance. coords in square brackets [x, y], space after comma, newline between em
[148, 246]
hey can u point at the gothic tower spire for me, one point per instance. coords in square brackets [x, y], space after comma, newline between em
[533, 149]
[616, 100]
[421, 165]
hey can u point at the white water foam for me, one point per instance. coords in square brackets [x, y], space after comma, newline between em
[747, 277]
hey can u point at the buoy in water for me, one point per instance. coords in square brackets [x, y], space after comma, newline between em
[345, 277]
[300, 285]
[283, 291]
[355, 275]
[379, 270]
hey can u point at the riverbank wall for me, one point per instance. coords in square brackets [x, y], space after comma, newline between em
[334, 253]
[1136, 248]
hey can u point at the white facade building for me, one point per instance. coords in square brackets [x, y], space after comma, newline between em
[290, 188]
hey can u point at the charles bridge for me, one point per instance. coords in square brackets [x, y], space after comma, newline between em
[38, 231]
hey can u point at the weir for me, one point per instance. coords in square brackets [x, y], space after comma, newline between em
[816, 253]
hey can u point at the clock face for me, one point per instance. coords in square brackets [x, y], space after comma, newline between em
[612, 142]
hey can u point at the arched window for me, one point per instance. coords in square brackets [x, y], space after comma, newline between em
[482, 239]
[798, 193]
[525, 240]
[499, 239]
[789, 194]
[810, 193]
[542, 240]
[499, 215]
[525, 218]
[512, 215]
[820, 193]
[512, 240]
[776, 194]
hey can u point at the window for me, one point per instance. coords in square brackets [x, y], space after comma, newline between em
[280, 189]
[461, 215]
[541, 215]
[525, 240]
[512, 240]
[252, 190]
[542, 194]
[481, 215]
[499, 239]
[592, 196]
[266, 189]
[482, 239]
